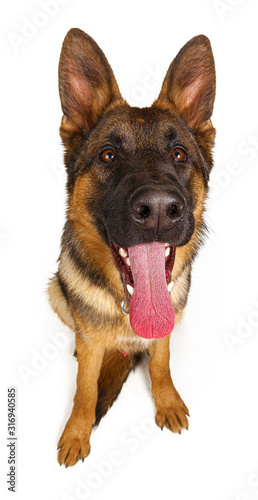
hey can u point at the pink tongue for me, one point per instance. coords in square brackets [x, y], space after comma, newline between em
[151, 311]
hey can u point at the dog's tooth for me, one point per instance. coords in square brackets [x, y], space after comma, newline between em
[167, 251]
[127, 261]
[130, 289]
[122, 252]
[170, 286]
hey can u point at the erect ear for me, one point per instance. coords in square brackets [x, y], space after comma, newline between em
[86, 83]
[190, 82]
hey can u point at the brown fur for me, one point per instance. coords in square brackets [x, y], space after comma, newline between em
[87, 290]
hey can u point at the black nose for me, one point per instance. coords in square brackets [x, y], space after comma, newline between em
[157, 208]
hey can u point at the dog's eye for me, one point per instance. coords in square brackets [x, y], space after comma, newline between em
[179, 155]
[107, 156]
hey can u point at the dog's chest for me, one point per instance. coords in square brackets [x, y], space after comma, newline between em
[129, 343]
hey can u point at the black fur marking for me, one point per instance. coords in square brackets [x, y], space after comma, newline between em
[83, 265]
[91, 315]
[63, 287]
[112, 378]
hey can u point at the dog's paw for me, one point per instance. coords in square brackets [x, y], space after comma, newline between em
[72, 448]
[172, 415]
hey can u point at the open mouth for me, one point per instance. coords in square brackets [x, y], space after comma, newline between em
[146, 273]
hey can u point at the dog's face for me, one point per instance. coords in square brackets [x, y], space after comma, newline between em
[139, 176]
[145, 159]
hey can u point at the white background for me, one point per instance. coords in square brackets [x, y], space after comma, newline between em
[214, 350]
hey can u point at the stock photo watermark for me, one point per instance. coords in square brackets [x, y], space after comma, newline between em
[60, 171]
[251, 488]
[225, 7]
[40, 358]
[246, 327]
[11, 438]
[3, 237]
[31, 25]
[221, 179]
[151, 82]
[130, 441]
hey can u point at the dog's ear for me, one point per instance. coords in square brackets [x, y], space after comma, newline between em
[86, 83]
[190, 83]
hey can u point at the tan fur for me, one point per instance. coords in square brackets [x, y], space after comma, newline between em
[171, 410]
[94, 296]
[59, 303]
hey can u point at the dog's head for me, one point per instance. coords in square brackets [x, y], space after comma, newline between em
[137, 178]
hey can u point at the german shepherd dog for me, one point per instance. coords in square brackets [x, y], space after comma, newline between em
[137, 184]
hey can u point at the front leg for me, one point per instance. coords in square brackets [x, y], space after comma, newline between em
[74, 443]
[171, 410]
